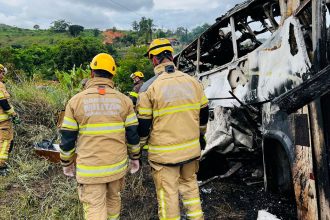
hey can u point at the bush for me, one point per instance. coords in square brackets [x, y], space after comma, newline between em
[38, 104]
[71, 82]
[75, 30]
[44, 60]
[30, 59]
[77, 52]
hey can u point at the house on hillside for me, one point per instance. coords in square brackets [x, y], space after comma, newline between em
[110, 35]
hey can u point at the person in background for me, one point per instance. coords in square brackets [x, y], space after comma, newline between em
[8, 116]
[137, 78]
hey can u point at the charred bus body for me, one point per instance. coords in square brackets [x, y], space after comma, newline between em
[265, 69]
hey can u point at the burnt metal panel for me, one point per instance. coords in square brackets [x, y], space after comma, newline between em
[278, 126]
[325, 100]
[301, 130]
[306, 92]
[302, 7]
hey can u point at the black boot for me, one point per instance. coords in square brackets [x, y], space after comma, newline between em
[4, 170]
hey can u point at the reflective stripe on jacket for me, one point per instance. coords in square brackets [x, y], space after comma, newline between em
[134, 95]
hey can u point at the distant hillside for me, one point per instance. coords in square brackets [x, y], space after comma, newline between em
[19, 37]
[5, 26]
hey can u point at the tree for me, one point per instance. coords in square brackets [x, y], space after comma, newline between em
[180, 31]
[145, 28]
[199, 30]
[36, 27]
[96, 32]
[169, 32]
[135, 26]
[127, 40]
[60, 26]
[160, 33]
[190, 36]
[182, 34]
[75, 30]
[77, 51]
[150, 26]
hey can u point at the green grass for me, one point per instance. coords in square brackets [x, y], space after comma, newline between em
[38, 103]
[36, 189]
[18, 37]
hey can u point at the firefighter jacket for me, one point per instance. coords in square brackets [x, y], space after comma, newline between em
[6, 110]
[6, 127]
[134, 95]
[171, 106]
[137, 86]
[100, 125]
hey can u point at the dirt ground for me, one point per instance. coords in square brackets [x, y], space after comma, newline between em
[232, 199]
[228, 198]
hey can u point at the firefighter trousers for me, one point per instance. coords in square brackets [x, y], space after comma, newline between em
[101, 201]
[172, 181]
[6, 144]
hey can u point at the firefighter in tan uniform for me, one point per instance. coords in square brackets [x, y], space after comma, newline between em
[6, 128]
[100, 126]
[137, 78]
[173, 113]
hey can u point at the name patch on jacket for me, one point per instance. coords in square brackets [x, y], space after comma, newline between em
[102, 106]
[178, 92]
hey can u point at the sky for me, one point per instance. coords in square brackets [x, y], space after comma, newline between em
[103, 14]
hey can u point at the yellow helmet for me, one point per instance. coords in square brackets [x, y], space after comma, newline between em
[137, 74]
[158, 46]
[3, 69]
[104, 61]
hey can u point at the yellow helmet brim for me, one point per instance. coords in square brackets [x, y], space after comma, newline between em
[159, 49]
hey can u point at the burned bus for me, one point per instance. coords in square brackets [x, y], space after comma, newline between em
[265, 69]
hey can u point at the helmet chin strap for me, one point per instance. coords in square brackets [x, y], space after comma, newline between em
[155, 61]
[158, 59]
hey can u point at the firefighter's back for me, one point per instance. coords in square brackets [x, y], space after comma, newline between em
[175, 101]
[100, 112]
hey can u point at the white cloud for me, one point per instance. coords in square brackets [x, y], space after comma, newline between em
[187, 5]
[108, 13]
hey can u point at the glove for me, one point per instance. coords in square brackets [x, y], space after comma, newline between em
[69, 170]
[16, 120]
[202, 141]
[134, 166]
